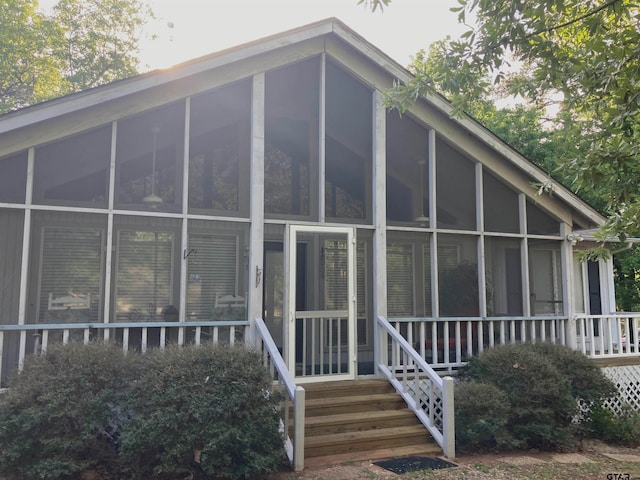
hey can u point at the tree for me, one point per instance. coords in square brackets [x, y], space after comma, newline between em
[99, 39]
[29, 72]
[79, 45]
[585, 55]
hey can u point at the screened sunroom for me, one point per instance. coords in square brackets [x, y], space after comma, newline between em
[269, 181]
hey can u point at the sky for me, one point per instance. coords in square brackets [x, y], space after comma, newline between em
[187, 29]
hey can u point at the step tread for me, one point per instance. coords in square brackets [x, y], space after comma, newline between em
[427, 450]
[345, 383]
[346, 388]
[351, 399]
[341, 418]
[351, 437]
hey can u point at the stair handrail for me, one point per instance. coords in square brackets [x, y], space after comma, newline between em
[272, 359]
[419, 385]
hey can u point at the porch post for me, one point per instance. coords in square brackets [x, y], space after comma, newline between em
[24, 266]
[380, 233]
[184, 238]
[566, 256]
[256, 242]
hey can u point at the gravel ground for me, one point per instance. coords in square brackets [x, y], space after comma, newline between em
[595, 461]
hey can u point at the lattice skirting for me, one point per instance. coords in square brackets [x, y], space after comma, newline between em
[627, 379]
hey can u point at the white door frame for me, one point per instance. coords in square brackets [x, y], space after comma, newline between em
[291, 315]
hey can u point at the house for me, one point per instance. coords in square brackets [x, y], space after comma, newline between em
[269, 181]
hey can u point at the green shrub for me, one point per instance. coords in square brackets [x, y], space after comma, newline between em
[64, 414]
[174, 413]
[481, 411]
[206, 409]
[622, 429]
[587, 381]
[544, 385]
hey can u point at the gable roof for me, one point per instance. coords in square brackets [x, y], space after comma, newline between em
[67, 105]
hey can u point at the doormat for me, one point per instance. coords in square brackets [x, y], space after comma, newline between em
[413, 464]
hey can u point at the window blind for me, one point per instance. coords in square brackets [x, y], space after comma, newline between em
[71, 266]
[212, 271]
[336, 294]
[144, 275]
[400, 276]
[336, 271]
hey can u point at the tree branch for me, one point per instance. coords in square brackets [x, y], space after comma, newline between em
[574, 20]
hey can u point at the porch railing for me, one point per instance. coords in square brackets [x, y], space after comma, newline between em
[138, 336]
[293, 428]
[613, 335]
[447, 342]
[325, 347]
[427, 394]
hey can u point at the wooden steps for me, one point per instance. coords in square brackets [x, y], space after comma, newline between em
[361, 419]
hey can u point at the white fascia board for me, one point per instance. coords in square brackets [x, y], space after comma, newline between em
[472, 126]
[79, 101]
[591, 235]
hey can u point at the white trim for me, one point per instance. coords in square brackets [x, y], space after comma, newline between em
[184, 238]
[256, 201]
[479, 197]
[379, 217]
[322, 140]
[291, 314]
[431, 165]
[109, 244]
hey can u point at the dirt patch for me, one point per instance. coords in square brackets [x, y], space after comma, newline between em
[592, 462]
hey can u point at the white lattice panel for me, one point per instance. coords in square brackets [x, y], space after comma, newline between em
[627, 379]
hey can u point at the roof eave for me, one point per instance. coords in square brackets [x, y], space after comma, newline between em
[79, 101]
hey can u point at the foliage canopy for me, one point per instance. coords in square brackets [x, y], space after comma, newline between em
[78, 45]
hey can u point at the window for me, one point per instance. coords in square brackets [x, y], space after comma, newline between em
[335, 275]
[504, 276]
[212, 278]
[144, 275]
[74, 171]
[539, 222]
[348, 146]
[219, 149]
[400, 280]
[149, 158]
[407, 171]
[578, 284]
[12, 228]
[448, 258]
[13, 178]
[456, 193]
[545, 278]
[70, 279]
[501, 210]
[291, 139]
[458, 276]
[335, 285]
